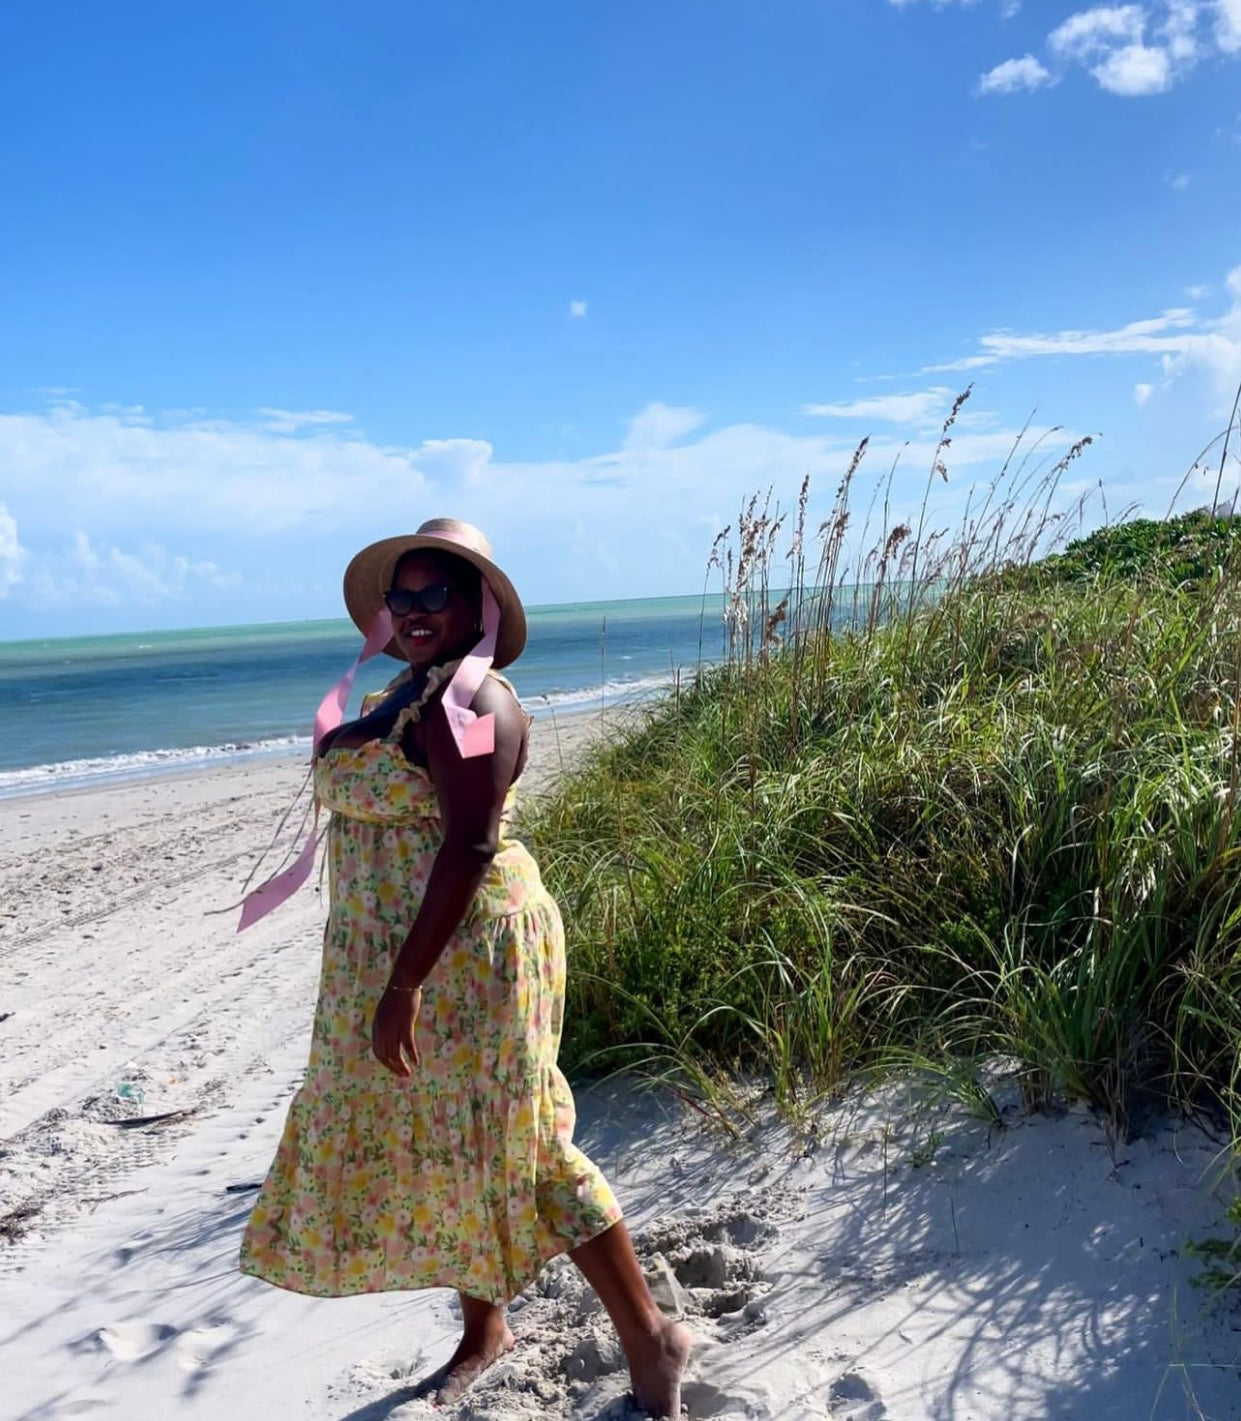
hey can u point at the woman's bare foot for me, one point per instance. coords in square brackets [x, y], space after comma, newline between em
[656, 1348]
[656, 1365]
[487, 1338]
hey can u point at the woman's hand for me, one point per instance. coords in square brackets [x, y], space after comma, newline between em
[392, 1031]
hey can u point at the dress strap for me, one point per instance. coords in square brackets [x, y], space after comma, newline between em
[512, 690]
[437, 677]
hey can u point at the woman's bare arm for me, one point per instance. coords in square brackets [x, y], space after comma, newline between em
[471, 795]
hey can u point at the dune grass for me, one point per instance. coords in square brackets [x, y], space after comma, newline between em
[954, 803]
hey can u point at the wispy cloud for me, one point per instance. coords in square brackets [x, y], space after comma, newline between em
[86, 574]
[657, 426]
[919, 408]
[577, 310]
[294, 421]
[1154, 336]
[1184, 342]
[1015, 76]
[12, 554]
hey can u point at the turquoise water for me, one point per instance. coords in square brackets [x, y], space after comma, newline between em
[77, 710]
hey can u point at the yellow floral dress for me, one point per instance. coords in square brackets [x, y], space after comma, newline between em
[465, 1175]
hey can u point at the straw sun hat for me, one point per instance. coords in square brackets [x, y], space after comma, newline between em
[369, 575]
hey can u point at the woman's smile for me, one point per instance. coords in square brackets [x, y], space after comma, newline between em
[416, 640]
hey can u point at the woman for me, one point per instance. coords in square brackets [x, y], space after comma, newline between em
[431, 1144]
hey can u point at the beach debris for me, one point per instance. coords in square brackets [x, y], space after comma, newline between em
[166, 1117]
[15, 1222]
[129, 1090]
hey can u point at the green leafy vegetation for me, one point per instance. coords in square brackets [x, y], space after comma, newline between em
[1221, 1257]
[1181, 550]
[972, 799]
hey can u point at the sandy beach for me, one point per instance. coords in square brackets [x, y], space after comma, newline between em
[901, 1260]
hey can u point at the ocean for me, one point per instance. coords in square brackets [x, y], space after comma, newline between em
[78, 711]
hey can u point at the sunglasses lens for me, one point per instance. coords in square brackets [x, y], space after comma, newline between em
[401, 601]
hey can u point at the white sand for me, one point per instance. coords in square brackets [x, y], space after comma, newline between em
[1026, 1272]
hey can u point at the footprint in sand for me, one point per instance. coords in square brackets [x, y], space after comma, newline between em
[132, 1341]
[200, 1347]
[852, 1398]
[706, 1268]
[715, 1269]
[703, 1401]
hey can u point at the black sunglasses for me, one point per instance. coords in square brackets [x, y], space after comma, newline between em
[401, 601]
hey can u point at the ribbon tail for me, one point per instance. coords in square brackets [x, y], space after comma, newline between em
[332, 707]
[280, 888]
[474, 734]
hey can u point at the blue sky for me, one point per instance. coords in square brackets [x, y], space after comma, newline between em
[278, 279]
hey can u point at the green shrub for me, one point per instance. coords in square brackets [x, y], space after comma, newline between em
[978, 806]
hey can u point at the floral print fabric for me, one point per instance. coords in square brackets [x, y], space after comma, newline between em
[465, 1175]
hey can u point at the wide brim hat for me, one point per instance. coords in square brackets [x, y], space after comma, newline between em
[369, 575]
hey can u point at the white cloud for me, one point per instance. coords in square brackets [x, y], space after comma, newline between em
[1015, 76]
[1149, 337]
[1142, 393]
[1184, 342]
[919, 408]
[221, 475]
[1132, 50]
[451, 462]
[1216, 351]
[1089, 33]
[1228, 26]
[1135, 70]
[1179, 30]
[657, 426]
[87, 575]
[122, 519]
[12, 554]
[577, 310]
[292, 421]
[1179, 182]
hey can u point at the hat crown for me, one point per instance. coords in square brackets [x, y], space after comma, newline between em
[456, 530]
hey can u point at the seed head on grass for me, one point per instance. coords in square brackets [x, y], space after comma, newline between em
[960, 798]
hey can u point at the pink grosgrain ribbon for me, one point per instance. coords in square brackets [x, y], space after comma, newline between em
[261, 900]
[473, 734]
[282, 886]
[332, 707]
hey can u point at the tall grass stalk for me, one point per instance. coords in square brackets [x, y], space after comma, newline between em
[957, 795]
